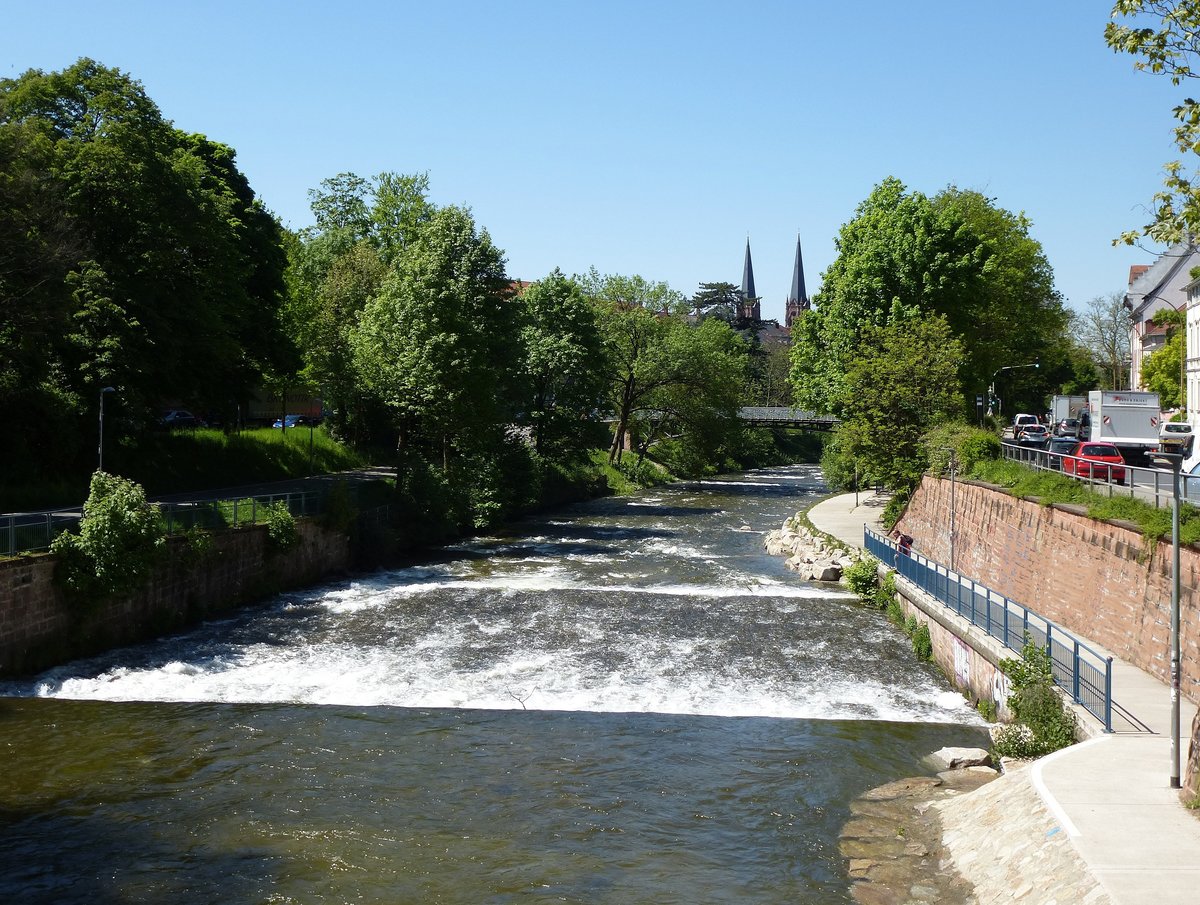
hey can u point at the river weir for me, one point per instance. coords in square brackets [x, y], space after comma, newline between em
[625, 701]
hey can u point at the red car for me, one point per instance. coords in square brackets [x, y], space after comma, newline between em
[1101, 461]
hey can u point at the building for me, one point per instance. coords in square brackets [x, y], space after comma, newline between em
[751, 307]
[797, 300]
[1153, 288]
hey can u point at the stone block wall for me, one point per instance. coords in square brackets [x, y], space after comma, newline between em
[1099, 579]
[41, 627]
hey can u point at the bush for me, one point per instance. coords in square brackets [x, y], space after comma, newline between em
[120, 538]
[1036, 706]
[922, 643]
[894, 509]
[282, 533]
[970, 445]
[895, 612]
[885, 594]
[863, 577]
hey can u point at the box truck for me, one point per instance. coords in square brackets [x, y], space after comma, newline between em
[1128, 419]
[1066, 407]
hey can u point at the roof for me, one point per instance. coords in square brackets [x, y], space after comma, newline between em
[1153, 282]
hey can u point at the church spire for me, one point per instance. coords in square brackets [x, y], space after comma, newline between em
[750, 303]
[797, 300]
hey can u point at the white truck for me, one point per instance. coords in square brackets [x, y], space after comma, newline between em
[1062, 407]
[1128, 419]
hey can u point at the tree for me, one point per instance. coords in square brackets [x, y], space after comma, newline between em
[1162, 372]
[440, 342]
[1165, 37]
[133, 254]
[1103, 329]
[564, 364]
[721, 300]
[956, 255]
[904, 382]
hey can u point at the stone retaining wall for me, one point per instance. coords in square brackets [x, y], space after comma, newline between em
[41, 627]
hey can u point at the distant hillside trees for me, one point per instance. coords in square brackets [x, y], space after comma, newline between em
[132, 254]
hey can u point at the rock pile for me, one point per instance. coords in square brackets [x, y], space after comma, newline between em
[810, 555]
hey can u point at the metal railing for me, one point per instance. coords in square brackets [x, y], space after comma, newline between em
[32, 532]
[1078, 669]
[1153, 485]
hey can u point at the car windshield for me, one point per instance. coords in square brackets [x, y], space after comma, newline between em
[1094, 450]
[1177, 428]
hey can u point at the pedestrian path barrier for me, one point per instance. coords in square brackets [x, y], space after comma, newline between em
[1079, 670]
[33, 532]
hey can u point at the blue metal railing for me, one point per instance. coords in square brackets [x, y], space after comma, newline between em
[1078, 669]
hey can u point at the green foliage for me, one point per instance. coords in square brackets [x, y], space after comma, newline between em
[1162, 372]
[894, 612]
[954, 255]
[1162, 36]
[987, 710]
[862, 577]
[282, 533]
[885, 594]
[970, 445]
[339, 510]
[894, 508]
[902, 383]
[1045, 724]
[120, 538]
[1048, 488]
[922, 644]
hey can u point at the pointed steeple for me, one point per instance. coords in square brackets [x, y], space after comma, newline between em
[797, 299]
[748, 275]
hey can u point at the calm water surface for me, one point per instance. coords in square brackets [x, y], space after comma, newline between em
[625, 702]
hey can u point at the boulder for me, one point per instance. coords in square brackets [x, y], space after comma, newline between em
[826, 571]
[958, 758]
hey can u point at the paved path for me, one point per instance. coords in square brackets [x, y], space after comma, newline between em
[1111, 794]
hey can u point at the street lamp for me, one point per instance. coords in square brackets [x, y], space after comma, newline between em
[1173, 461]
[104, 392]
[992, 384]
[953, 466]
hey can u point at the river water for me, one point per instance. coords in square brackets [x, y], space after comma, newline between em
[624, 702]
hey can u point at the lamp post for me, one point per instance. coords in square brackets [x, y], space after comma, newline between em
[104, 392]
[1174, 461]
[953, 466]
[992, 384]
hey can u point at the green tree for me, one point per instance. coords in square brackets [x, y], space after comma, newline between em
[564, 364]
[1162, 35]
[721, 300]
[440, 343]
[140, 258]
[1162, 372]
[956, 255]
[904, 382]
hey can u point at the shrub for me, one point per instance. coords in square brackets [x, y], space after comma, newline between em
[894, 509]
[863, 577]
[922, 644]
[895, 612]
[120, 538]
[1035, 704]
[282, 533]
[1015, 740]
[885, 594]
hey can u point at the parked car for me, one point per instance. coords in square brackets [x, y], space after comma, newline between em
[1059, 447]
[1034, 435]
[180, 418]
[1176, 436]
[1067, 427]
[1022, 421]
[1101, 461]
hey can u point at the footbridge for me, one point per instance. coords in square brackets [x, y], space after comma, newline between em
[783, 416]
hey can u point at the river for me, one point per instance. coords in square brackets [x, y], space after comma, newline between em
[626, 701]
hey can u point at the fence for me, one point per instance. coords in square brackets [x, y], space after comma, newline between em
[1152, 485]
[34, 531]
[1078, 669]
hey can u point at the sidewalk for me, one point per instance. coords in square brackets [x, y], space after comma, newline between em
[1111, 795]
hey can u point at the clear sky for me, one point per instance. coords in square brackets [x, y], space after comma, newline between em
[653, 137]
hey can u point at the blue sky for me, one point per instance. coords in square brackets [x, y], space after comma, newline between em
[652, 138]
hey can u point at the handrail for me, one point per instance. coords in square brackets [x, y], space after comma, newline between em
[1078, 669]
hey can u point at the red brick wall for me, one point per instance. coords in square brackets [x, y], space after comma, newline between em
[40, 627]
[1098, 579]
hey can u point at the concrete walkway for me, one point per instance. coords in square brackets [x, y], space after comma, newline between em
[1111, 794]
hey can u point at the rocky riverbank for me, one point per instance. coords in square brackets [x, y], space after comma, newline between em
[813, 556]
[967, 836]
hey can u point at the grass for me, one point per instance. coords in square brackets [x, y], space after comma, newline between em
[197, 460]
[1048, 487]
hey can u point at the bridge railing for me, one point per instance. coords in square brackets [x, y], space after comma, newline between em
[33, 532]
[1081, 671]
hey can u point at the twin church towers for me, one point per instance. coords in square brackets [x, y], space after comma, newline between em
[797, 300]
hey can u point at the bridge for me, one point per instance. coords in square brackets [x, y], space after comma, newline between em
[782, 416]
